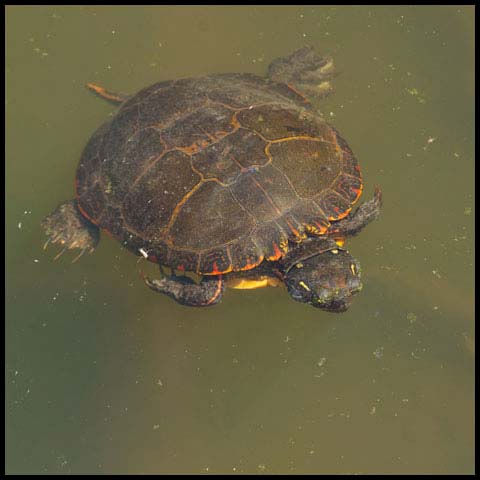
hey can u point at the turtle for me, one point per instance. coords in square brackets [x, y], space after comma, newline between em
[229, 179]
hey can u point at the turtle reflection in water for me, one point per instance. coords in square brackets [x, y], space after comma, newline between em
[233, 177]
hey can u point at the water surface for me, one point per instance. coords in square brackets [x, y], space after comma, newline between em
[104, 376]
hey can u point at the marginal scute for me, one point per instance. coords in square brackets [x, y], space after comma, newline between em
[183, 260]
[144, 95]
[239, 91]
[88, 169]
[245, 254]
[305, 218]
[215, 261]
[333, 204]
[348, 187]
[268, 238]
[92, 202]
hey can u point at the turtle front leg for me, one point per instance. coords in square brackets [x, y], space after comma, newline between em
[67, 226]
[307, 72]
[354, 223]
[186, 292]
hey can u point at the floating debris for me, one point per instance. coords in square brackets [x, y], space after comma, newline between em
[378, 353]
[415, 93]
[322, 362]
[411, 317]
[435, 272]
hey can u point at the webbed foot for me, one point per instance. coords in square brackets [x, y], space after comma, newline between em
[67, 226]
[304, 70]
[186, 292]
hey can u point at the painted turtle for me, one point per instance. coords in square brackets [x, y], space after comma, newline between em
[233, 177]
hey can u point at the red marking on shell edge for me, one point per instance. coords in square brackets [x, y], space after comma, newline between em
[249, 265]
[87, 216]
[322, 228]
[152, 258]
[215, 270]
[181, 268]
[278, 253]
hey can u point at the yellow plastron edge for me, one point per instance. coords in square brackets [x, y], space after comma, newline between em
[249, 284]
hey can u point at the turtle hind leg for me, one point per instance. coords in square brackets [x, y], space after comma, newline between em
[305, 71]
[186, 292]
[116, 98]
[68, 227]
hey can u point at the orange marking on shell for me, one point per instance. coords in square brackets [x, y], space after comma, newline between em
[249, 265]
[234, 122]
[340, 216]
[298, 236]
[180, 204]
[295, 137]
[216, 271]
[190, 150]
[322, 228]
[277, 255]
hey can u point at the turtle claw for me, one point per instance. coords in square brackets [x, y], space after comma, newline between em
[79, 255]
[377, 195]
[58, 255]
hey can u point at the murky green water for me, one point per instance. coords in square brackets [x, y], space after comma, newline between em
[104, 376]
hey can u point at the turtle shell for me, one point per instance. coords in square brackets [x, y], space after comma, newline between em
[216, 174]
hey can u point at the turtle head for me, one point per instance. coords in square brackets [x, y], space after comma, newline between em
[328, 280]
